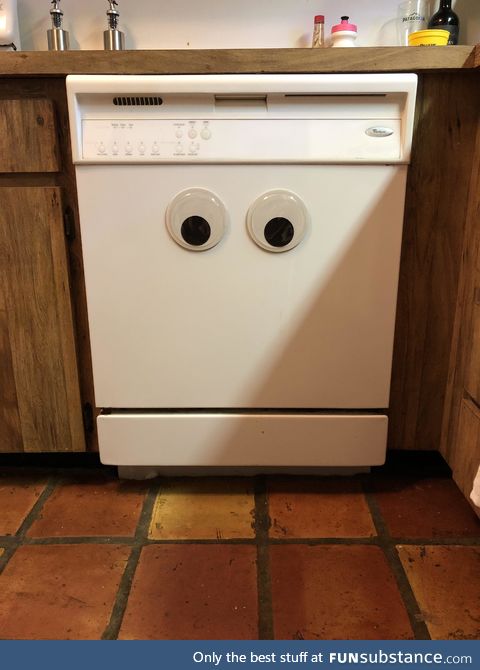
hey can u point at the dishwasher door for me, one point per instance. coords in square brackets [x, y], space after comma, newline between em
[236, 325]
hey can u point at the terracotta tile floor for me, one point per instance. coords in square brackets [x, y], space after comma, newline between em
[85, 556]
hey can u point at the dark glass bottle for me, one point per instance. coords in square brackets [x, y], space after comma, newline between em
[446, 19]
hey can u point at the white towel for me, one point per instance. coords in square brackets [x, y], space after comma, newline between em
[475, 494]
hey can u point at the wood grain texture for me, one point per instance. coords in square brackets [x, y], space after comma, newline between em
[472, 373]
[27, 136]
[37, 303]
[10, 430]
[463, 336]
[436, 211]
[366, 59]
[466, 459]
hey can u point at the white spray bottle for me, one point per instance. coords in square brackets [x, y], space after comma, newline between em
[9, 34]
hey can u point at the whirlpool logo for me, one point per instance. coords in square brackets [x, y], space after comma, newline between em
[379, 131]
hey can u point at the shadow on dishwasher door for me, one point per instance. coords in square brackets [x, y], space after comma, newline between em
[310, 359]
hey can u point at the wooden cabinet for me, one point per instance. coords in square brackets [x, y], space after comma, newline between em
[461, 420]
[436, 213]
[40, 408]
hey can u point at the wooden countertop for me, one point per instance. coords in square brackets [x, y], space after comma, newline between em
[367, 59]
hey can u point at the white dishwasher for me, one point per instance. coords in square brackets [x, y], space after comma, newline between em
[241, 238]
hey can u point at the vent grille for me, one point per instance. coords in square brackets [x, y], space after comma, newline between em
[138, 101]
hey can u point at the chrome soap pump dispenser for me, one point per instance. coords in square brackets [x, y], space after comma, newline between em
[58, 39]
[113, 39]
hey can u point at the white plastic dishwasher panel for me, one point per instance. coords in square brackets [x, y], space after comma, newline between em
[253, 440]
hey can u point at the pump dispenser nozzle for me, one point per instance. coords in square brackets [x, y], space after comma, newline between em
[113, 39]
[58, 39]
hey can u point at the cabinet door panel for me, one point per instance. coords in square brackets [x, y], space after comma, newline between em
[27, 136]
[37, 324]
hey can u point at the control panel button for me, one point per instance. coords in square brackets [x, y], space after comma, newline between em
[179, 147]
[192, 133]
[102, 149]
[115, 149]
[155, 149]
[179, 133]
[141, 149]
[128, 149]
[205, 133]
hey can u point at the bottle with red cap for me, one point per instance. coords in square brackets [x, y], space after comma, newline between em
[318, 31]
[344, 33]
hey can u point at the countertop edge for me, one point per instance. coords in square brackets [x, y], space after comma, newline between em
[230, 61]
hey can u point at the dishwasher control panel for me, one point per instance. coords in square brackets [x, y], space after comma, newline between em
[240, 140]
[144, 139]
[188, 119]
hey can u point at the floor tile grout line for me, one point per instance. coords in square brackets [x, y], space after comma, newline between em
[112, 630]
[35, 511]
[437, 541]
[264, 590]
[7, 555]
[29, 519]
[143, 526]
[412, 607]
[414, 612]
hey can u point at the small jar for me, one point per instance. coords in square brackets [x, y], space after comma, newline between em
[344, 34]
[318, 32]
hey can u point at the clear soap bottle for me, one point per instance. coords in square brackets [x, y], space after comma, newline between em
[318, 39]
